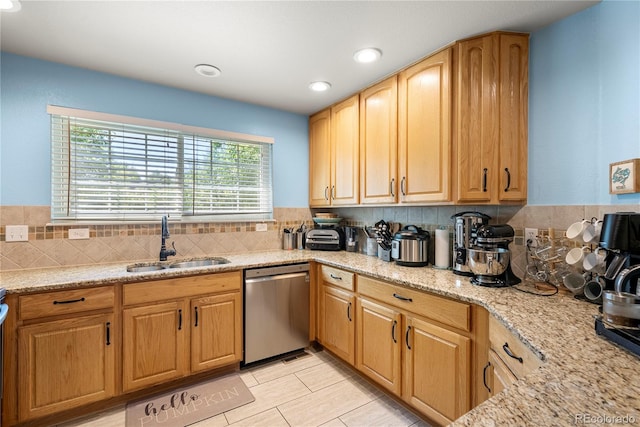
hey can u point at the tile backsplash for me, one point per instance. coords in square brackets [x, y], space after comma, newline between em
[49, 246]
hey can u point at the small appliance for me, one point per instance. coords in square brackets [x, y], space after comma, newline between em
[325, 238]
[466, 225]
[410, 246]
[490, 258]
[351, 239]
[620, 236]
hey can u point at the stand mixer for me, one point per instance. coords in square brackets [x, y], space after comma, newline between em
[490, 257]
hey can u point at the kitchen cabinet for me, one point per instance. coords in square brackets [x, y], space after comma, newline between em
[490, 131]
[424, 130]
[418, 346]
[509, 359]
[66, 350]
[379, 143]
[333, 153]
[337, 312]
[175, 327]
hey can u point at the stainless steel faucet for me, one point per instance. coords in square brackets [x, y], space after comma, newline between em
[164, 252]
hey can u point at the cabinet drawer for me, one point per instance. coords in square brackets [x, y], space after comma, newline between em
[181, 287]
[502, 342]
[337, 277]
[65, 302]
[444, 310]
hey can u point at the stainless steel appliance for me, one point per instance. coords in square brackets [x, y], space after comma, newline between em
[276, 307]
[4, 310]
[325, 238]
[466, 225]
[490, 257]
[410, 246]
[620, 236]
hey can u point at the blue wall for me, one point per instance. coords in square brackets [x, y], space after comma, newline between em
[584, 104]
[28, 85]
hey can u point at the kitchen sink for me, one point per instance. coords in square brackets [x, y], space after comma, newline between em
[139, 268]
[199, 263]
[202, 262]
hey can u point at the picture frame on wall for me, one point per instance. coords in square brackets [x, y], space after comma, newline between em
[624, 177]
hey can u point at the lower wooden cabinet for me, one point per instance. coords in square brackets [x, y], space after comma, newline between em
[198, 328]
[337, 326]
[379, 344]
[64, 364]
[437, 363]
[154, 344]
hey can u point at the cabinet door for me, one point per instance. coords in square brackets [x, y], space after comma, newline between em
[379, 142]
[514, 89]
[499, 376]
[64, 364]
[379, 344]
[345, 175]
[320, 158]
[216, 333]
[424, 135]
[154, 344]
[337, 322]
[477, 121]
[437, 370]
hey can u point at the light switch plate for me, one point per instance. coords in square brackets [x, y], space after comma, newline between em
[16, 233]
[78, 233]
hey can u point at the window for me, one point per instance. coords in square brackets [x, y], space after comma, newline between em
[107, 167]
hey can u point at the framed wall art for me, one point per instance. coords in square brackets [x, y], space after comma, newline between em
[624, 177]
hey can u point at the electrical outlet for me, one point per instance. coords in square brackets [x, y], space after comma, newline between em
[78, 233]
[530, 236]
[16, 233]
[261, 226]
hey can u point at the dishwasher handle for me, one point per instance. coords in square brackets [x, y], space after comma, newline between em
[252, 280]
[4, 311]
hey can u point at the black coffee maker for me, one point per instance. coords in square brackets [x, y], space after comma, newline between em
[620, 236]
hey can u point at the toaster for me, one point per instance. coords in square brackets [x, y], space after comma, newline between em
[325, 239]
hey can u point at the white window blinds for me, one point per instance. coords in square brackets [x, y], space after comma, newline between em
[107, 170]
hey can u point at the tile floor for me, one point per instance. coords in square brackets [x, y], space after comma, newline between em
[312, 390]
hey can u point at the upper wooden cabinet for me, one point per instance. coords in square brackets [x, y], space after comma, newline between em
[490, 130]
[379, 143]
[333, 155]
[424, 130]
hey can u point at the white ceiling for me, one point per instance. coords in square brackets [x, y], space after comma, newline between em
[268, 51]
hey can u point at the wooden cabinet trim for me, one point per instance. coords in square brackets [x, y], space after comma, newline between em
[446, 311]
[66, 302]
[181, 287]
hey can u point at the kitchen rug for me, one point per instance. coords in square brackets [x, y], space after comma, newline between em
[189, 404]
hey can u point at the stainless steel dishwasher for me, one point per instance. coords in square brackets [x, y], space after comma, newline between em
[276, 311]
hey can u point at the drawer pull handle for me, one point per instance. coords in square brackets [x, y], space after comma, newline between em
[393, 331]
[326, 189]
[349, 312]
[402, 190]
[484, 376]
[179, 320]
[406, 337]
[507, 350]
[400, 297]
[335, 277]
[196, 310]
[69, 301]
[108, 333]
[391, 187]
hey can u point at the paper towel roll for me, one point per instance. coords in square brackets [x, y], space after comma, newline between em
[443, 253]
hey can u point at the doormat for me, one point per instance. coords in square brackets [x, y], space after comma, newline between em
[190, 404]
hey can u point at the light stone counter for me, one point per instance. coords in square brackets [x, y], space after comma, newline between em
[584, 380]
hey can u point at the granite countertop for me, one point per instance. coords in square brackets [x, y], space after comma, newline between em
[584, 379]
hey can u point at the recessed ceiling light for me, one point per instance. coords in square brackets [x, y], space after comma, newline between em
[10, 5]
[207, 70]
[369, 54]
[319, 86]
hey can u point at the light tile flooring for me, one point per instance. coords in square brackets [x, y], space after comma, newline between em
[312, 390]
